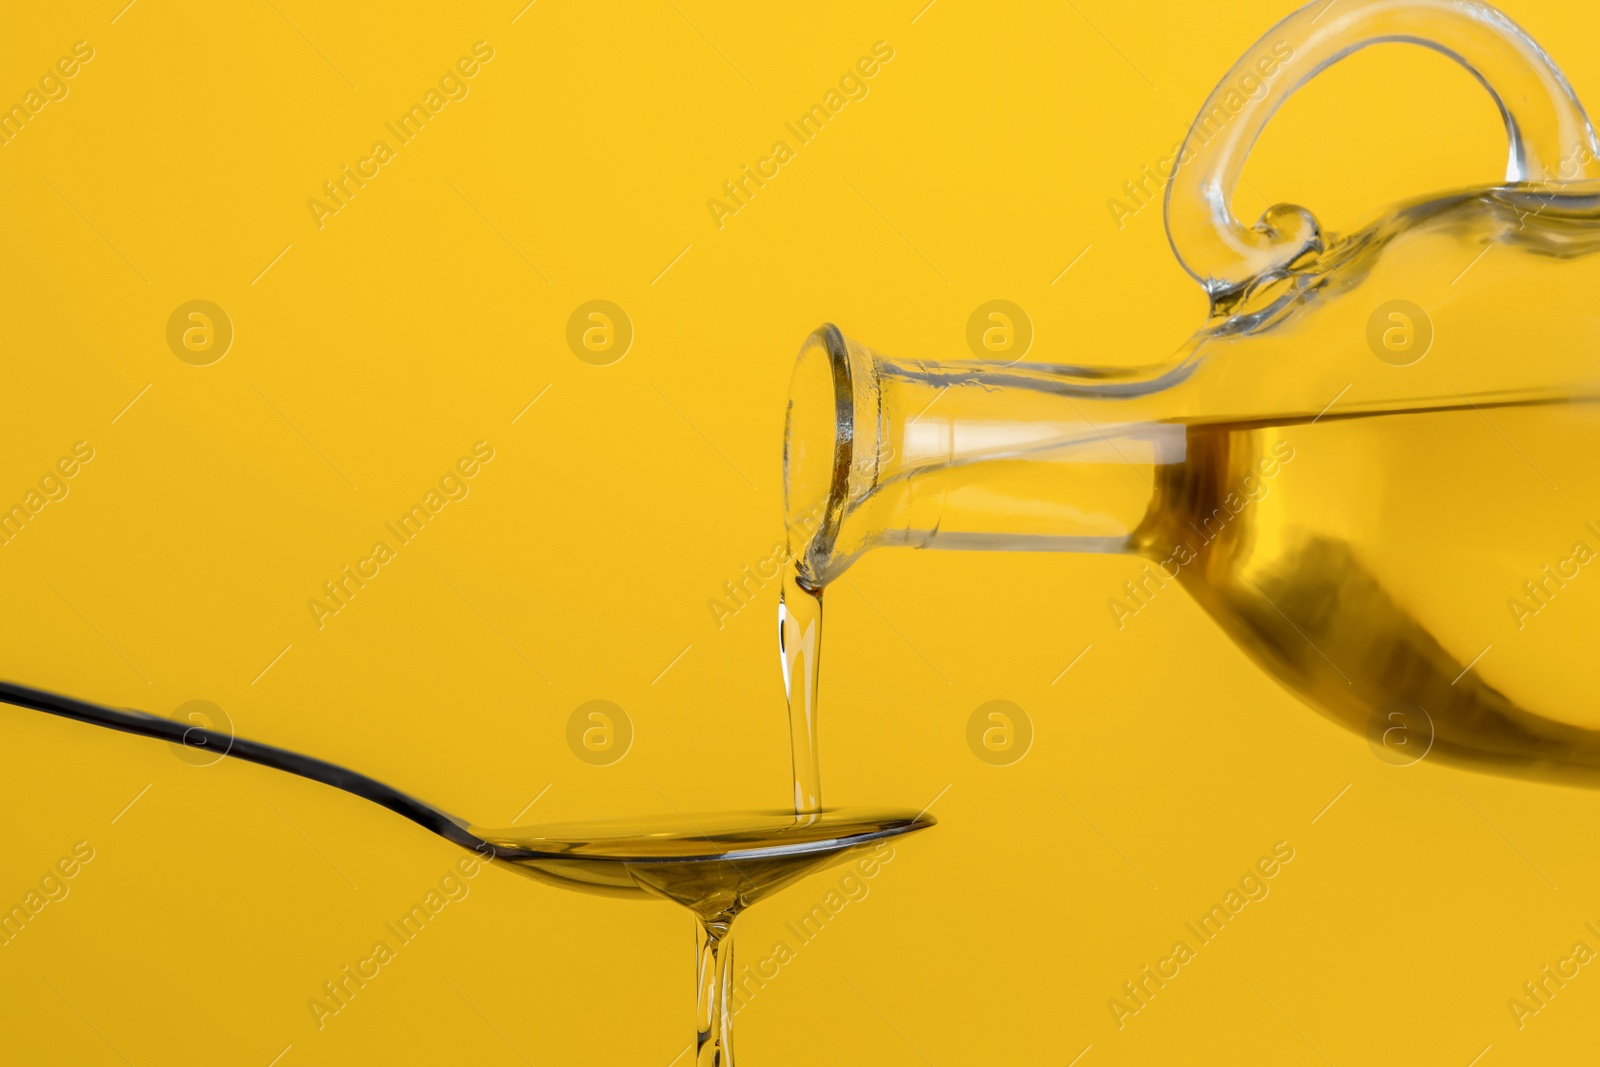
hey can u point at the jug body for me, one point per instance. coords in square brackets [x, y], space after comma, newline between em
[1414, 570]
[1373, 467]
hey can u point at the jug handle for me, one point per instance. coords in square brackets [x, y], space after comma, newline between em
[1550, 137]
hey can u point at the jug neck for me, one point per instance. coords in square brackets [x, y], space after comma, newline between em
[967, 455]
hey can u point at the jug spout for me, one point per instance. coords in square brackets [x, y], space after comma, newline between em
[966, 454]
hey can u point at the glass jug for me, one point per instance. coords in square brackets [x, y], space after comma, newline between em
[1375, 464]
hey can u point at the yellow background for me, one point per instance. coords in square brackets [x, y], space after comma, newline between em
[416, 322]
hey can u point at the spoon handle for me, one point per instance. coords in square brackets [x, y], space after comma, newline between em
[146, 725]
